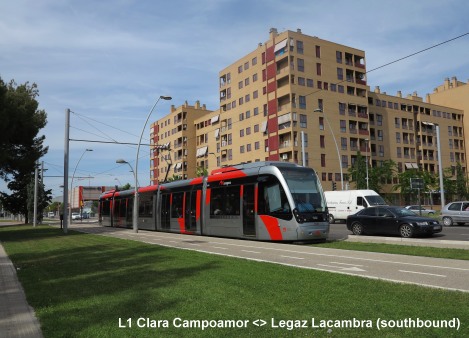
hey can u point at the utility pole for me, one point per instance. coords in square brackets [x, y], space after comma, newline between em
[66, 148]
[35, 193]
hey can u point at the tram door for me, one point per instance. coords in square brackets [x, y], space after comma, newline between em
[190, 212]
[249, 221]
[165, 211]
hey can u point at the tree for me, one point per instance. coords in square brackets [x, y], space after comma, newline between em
[429, 182]
[358, 172]
[381, 174]
[461, 183]
[20, 145]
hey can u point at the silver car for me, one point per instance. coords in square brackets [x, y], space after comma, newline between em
[455, 212]
[417, 209]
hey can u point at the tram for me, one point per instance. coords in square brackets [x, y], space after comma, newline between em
[268, 201]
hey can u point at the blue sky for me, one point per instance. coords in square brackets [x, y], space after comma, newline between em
[108, 61]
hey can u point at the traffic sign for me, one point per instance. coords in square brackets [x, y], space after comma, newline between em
[416, 183]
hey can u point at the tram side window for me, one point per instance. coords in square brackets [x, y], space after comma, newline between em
[273, 199]
[106, 208]
[145, 207]
[225, 201]
[177, 204]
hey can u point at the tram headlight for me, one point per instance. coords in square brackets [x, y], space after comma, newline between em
[298, 217]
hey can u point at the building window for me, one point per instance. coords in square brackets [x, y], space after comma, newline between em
[301, 65]
[322, 142]
[256, 111]
[246, 65]
[340, 73]
[344, 164]
[321, 123]
[299, 47]
[246, 81]
[398, 137]
[240, 84]
[343, 143]
[379, 120]
[338, 56]
[380, 135]
[254, 77]
[301, 81]
[248, 147]
[343, 126]
[309, 83]
[318, 69]
[254, 61]
[318, 51]
[241, 133]
[256, 145]
[303, 121]
[342, 108]
[340, 89]
[241, 149]
[323, 160]
[302, 102]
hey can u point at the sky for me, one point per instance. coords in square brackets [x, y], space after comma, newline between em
[109, 61]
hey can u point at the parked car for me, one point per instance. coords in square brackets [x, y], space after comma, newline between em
[418, 209]
[75, 216]
[391, 220]
[455, 212]
[51, 214]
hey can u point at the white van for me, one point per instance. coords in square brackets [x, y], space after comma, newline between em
[347, 202]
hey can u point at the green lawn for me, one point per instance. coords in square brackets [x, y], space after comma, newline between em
[85, 285]
[399, 249]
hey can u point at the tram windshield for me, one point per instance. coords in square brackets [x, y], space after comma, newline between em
[305, 189]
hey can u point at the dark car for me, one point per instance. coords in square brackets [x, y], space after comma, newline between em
[391, 221]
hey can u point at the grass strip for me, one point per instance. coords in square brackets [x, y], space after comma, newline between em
[411, 250]
[83, 285]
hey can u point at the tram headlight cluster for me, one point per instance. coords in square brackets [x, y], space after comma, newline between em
[300, 219]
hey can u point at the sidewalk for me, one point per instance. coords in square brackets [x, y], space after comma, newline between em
[17, 318]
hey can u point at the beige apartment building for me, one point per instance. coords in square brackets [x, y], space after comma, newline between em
[405, 130]
[297, 94]
[287, 97]
[174, 143]
[452, 93]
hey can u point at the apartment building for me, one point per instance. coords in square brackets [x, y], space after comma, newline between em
[302, 99]
[173, 141]
[405, 130]
[292, 95]
[452, 93]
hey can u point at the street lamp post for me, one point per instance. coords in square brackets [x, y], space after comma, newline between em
[122, 161]
[71, 184]
[319, 110]
[366, 160]
[135, 208]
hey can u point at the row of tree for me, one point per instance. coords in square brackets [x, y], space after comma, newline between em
[454, 179]
[21, 147]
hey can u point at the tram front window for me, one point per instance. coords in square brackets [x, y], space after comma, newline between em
[305, 189]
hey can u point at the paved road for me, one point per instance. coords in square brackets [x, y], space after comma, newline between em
[431, 272]
[338, 231]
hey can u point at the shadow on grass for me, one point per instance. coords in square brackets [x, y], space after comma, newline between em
[79, 281]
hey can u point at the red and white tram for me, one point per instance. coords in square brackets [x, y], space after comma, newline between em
[269, 201]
